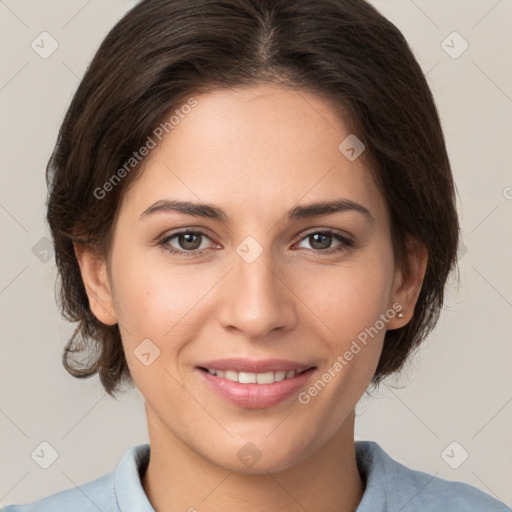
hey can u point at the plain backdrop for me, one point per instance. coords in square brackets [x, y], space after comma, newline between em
[455, 398]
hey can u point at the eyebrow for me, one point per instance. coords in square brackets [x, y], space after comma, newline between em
[299, 212]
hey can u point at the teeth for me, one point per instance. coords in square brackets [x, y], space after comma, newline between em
[254, 378]
[281, 375]
[230, 375]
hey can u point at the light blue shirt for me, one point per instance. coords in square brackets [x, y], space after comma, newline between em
[390, 487]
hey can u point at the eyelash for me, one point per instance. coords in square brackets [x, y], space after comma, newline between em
[345, 244]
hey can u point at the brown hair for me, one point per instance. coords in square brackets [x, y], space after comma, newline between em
[163, 51]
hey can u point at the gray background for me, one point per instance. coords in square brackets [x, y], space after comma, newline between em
[457, 389]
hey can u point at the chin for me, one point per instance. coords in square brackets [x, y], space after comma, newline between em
[258, 458]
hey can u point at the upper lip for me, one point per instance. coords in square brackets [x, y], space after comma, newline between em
[255, 366]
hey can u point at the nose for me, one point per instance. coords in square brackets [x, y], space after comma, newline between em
[257, 298]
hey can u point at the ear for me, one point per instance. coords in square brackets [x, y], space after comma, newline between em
[97, 284]
[407, 285]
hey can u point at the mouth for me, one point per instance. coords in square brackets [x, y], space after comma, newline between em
[255, 390]
[269, 377]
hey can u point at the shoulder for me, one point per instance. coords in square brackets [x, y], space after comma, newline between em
[409, 490]
[105, 493]
[88, 497]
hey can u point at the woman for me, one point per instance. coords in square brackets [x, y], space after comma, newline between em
[254, 219]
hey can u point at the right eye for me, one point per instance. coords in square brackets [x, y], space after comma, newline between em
[190, 242]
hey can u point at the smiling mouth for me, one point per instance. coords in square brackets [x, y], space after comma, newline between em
[256, 378]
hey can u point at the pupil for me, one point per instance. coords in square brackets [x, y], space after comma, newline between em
[187, 238]
[325, 244]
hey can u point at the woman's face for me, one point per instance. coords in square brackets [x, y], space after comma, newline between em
[254, 281]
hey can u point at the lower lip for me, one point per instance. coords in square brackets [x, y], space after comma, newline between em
[255, 396]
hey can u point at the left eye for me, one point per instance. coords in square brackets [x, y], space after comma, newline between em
[321, 240]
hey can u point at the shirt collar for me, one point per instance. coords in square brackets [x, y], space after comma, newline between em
[131, 497]
[130, 494]
[369, 465]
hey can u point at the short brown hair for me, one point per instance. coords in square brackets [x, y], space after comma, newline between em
[163, 51]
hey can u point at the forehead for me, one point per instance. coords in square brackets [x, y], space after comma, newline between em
[259, 149]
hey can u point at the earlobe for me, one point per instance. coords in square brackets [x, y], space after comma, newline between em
[93, 269]
[408, 284]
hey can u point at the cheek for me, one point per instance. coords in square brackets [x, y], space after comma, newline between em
[348, 297]
[347, 303]
[351, 306]
[150, 293]
[158, 301]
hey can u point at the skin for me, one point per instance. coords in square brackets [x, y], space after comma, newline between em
[256, 153]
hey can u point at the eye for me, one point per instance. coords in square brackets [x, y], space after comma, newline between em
[321, 241]
[189, 243]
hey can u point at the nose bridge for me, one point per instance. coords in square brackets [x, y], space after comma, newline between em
[256, 300]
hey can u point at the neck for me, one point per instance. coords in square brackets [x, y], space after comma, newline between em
[179, 479]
